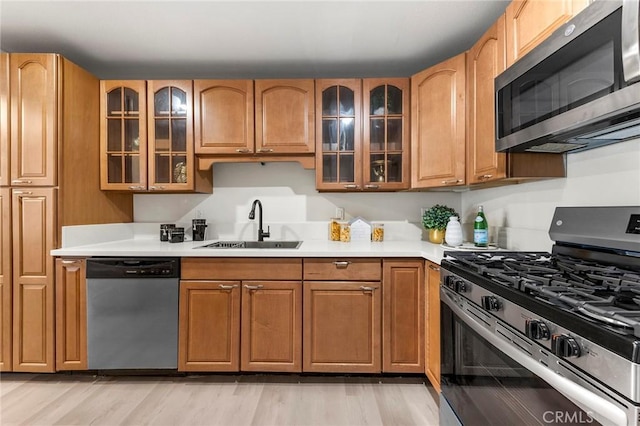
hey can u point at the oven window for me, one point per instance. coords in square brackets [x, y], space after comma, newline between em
[486, 387]
[587, 68]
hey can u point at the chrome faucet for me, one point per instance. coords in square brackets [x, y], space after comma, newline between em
[252, 215]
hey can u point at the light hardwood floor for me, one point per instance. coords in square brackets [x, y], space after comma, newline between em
[83, 399]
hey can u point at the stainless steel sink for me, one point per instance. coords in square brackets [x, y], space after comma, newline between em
[253, 245]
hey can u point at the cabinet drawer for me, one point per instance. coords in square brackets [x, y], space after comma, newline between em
[234, 268]
[342, 269]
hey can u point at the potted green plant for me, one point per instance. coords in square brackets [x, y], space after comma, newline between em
[435, 220]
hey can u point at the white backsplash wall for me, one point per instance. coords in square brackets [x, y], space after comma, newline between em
[519, 216]
[288, 195]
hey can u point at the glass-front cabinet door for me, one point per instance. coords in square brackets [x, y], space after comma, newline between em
[123, 135]
[338, 139]
[170, 135]
[386, 134]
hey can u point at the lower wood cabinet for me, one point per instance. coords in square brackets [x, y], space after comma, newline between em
[209, 326]
[271, 335]
[403, 316]
[71, 314]
[432, 321]
[6, 301]
[342, 326]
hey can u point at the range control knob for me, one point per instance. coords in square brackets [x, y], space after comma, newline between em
[565, 346]
[456, 284]
[490, 303]
[537, 330]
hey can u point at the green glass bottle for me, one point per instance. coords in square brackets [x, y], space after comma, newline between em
[480, 229]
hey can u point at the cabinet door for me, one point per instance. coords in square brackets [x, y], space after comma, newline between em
[4, 120]
[529, 22]
[223, 116]
[386, 133]
[34, 119]
[123, 135]
[33, 212]
[285, 116]
[438, 125]
[485, 60]
[432, 322]
[71, 314]
[339, 144]
[403, 316]
[341, 327]
[209, 326]
[5, 280]
[171, 160]
[271, 338]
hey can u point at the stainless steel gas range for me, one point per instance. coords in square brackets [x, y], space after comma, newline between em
[546, 338]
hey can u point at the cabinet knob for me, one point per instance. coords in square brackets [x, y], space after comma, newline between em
[342, 264]
[243, 150]
[265, 150]
[21, 182]
[451, 181]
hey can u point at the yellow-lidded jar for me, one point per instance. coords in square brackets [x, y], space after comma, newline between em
[334, 229]
[345, 232]
[377, 232]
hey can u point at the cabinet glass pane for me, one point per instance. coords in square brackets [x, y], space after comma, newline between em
[330, 101]
[376, 134]
[131, 105]
[162, 135]
[377, 101]
[178, 101]
[346, 101]
[330, 134]
[131, 135]
[179, 167]
[179, 134]
[114, 168]
[114, 102]
[347, 134]
[161, 103]
[114, 134]
[378, 168]
[163, 168]
[329, 168]
[132, 169]
[394, 134]
[347, 168]
[394, 100]
[394, 170]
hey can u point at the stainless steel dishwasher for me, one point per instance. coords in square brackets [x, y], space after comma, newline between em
[132, 313]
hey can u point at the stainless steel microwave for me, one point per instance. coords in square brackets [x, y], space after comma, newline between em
[577, 90]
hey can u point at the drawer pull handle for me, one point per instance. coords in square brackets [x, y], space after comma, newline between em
[434, 268]
[227, 287]
[451, 181]
[484, 177]
[253, 287]
[70, 262]
[371, 186]
[19, 181]
[342, 264]
[136, 188]
[265, 150]
[367, 288]
[23, 192]
[351, 186]
[243, 150]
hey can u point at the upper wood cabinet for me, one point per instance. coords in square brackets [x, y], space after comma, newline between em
[223, 116]
[5, 152]
[485, 60]
[284, 111]
[34, 119]
[529, 22]
[71, 314]
[403, 316]
[438, 125]
[432, 321]
[6, 303]
[386, 133]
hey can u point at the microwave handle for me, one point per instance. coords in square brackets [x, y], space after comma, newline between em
[631, 40]
[602, 409]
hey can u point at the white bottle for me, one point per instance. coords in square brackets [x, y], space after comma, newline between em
[453, 234]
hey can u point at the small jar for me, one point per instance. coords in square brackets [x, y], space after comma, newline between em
[345, 232]
[165, 228]
[377, 232]
[334, 230]
[176, 235]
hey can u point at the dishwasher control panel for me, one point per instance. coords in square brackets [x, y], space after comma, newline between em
[140, 267]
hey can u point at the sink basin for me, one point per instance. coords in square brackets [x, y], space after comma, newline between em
[253, 245]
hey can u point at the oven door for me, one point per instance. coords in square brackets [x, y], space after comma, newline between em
[487, 377]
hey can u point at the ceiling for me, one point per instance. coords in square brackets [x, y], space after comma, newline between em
[247, 39]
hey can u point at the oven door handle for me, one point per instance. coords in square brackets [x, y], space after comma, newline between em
[598, 408]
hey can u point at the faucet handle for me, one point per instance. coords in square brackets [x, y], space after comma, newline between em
[267, 233]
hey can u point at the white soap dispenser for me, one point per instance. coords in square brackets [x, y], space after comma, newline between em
[453, 234]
